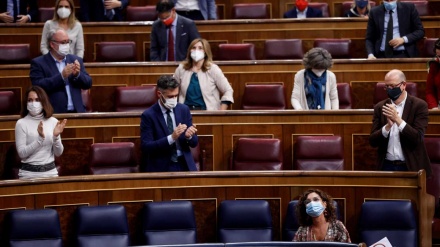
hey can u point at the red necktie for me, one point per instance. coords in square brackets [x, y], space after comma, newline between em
[170, 44]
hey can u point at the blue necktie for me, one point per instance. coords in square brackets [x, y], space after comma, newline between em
[170, 131]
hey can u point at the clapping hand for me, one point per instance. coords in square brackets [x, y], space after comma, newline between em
[40, 129]
[178, 131]
[76, 68]
[190, 132]
[59, 128]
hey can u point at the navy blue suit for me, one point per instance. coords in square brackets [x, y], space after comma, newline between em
[44, 73]
[93, 10]
[310, 13]
[156, 151]
[27, 7]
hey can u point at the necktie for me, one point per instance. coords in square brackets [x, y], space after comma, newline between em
[170, 131]
[389, 36]
[170, 44]
[15, 7]
[109, 13]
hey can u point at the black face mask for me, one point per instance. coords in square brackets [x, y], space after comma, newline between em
[394, 93]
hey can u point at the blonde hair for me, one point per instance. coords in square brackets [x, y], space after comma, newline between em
[72, 18]
[188, 62]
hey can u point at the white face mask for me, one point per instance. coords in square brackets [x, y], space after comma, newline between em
[35, 108]
[197, 55]
[63, 12]
[318, 72]
[169, 103]
[63, 49]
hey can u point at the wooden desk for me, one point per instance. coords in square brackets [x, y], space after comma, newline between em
[207, 189]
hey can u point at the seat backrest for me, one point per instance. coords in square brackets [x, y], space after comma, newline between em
[422, 7]
[169, 222]
[113, 158]
[141, 13]
[432, 145]
[120, 51]
[322, 6]
[250, 11]
[347, 5]
[8, 103]
[283, 49]
[395, 220]
[199, 157]
[15, 53]
[258, 154]
[101, 226]
[244, 221]
[87, 100]
[345, 95]
[135, 98]
[428, 47]
[244, 51]
[264, 97]
[34, 228]
[380, 93]
[45, 13]
[319, 153]
[338, 48]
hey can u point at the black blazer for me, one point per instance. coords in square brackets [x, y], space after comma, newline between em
[310, 13]
[410, 26]
[24, 4]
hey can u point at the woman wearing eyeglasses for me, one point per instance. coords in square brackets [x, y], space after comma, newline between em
[433, 80]
[317, 218]
[64, 17]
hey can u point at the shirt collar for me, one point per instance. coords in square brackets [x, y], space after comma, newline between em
[402, 104]
[56, 60]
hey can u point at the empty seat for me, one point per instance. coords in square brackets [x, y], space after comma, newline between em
[8, 103]
[250, 11]
[123, 51]
[319, 153]
[171, 222]
[433, 183]
[236, 51]
[321, 6]
[87, 100]
[394, 219]
[15, 53]
[113, 158]
[45, 13]
[102, 226]
[345, 96]
[135, 98]
[347, 5]
[428, 47]
[283, 49]
[421, 6]
[244, 221]
[199, 157]
[264, 97]
[380, 93]
[34, 228]
[141, 13]
[258, 154]
[338, 48]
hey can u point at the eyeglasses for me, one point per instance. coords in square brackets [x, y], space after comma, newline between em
[393, 86]
[63, 42]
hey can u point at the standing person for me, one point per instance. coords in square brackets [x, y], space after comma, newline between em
[394, 37]
[359, 8]
[301, 10]
[19, 11]
[315, 86]
[103, 10]
[167, 132]
[61, 74]
[433, 80]
[196, 9]
[316, 215]
[399, 125]
[171, 34]
[203, 86]
[64, 17]
[37, 136]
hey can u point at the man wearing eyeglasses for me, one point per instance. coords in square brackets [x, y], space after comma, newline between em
[60, 74]
[399, 125]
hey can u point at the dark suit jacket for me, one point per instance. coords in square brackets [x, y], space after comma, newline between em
[156, 151]
[310, 13]
[93, 10]
[44, 73]
[409, 26]
[24, 4]
[415, 114]
[186, 32]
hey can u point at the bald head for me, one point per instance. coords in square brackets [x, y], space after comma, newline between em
[395, 75]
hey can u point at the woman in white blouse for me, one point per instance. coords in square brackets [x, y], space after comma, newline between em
[64, 17]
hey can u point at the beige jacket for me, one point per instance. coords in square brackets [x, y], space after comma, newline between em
[213, 83]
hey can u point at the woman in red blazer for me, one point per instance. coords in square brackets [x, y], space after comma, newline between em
[433, 80]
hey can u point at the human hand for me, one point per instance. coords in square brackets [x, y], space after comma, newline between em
[76, 68]
[190, 132]
[6, 18]
[178, 131]
[22, 19]
[391, 113]
[40, 129]
[112, 4]
[68, 70]
[371, 56]
[396, 42]
[59, 128]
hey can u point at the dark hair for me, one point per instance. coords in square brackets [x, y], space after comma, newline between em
[317, 58]
[167, 82]
[304, 219]
[436, 45]
[188, 62]
[45, 103]
[163, 6]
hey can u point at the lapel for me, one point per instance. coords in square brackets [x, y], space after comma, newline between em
[179, 28]
[381, 20]
[49, 60]
[177, 116]
[407, 108]
[160, 118]
[401, 17]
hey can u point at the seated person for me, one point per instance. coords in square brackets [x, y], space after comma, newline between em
[103, 10]
[359, 8]
[433, 80]
[19, 11]
[302, 10]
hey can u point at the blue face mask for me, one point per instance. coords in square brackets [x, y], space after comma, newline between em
[314, 209]
[361, 3]
[390, 5]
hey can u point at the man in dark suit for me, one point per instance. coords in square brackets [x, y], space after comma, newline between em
[399, 125]
[60, 74]
[103, 10]
[167, 132]
[27, 11]
[407, 30]
[302, 10]
[171, 48]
